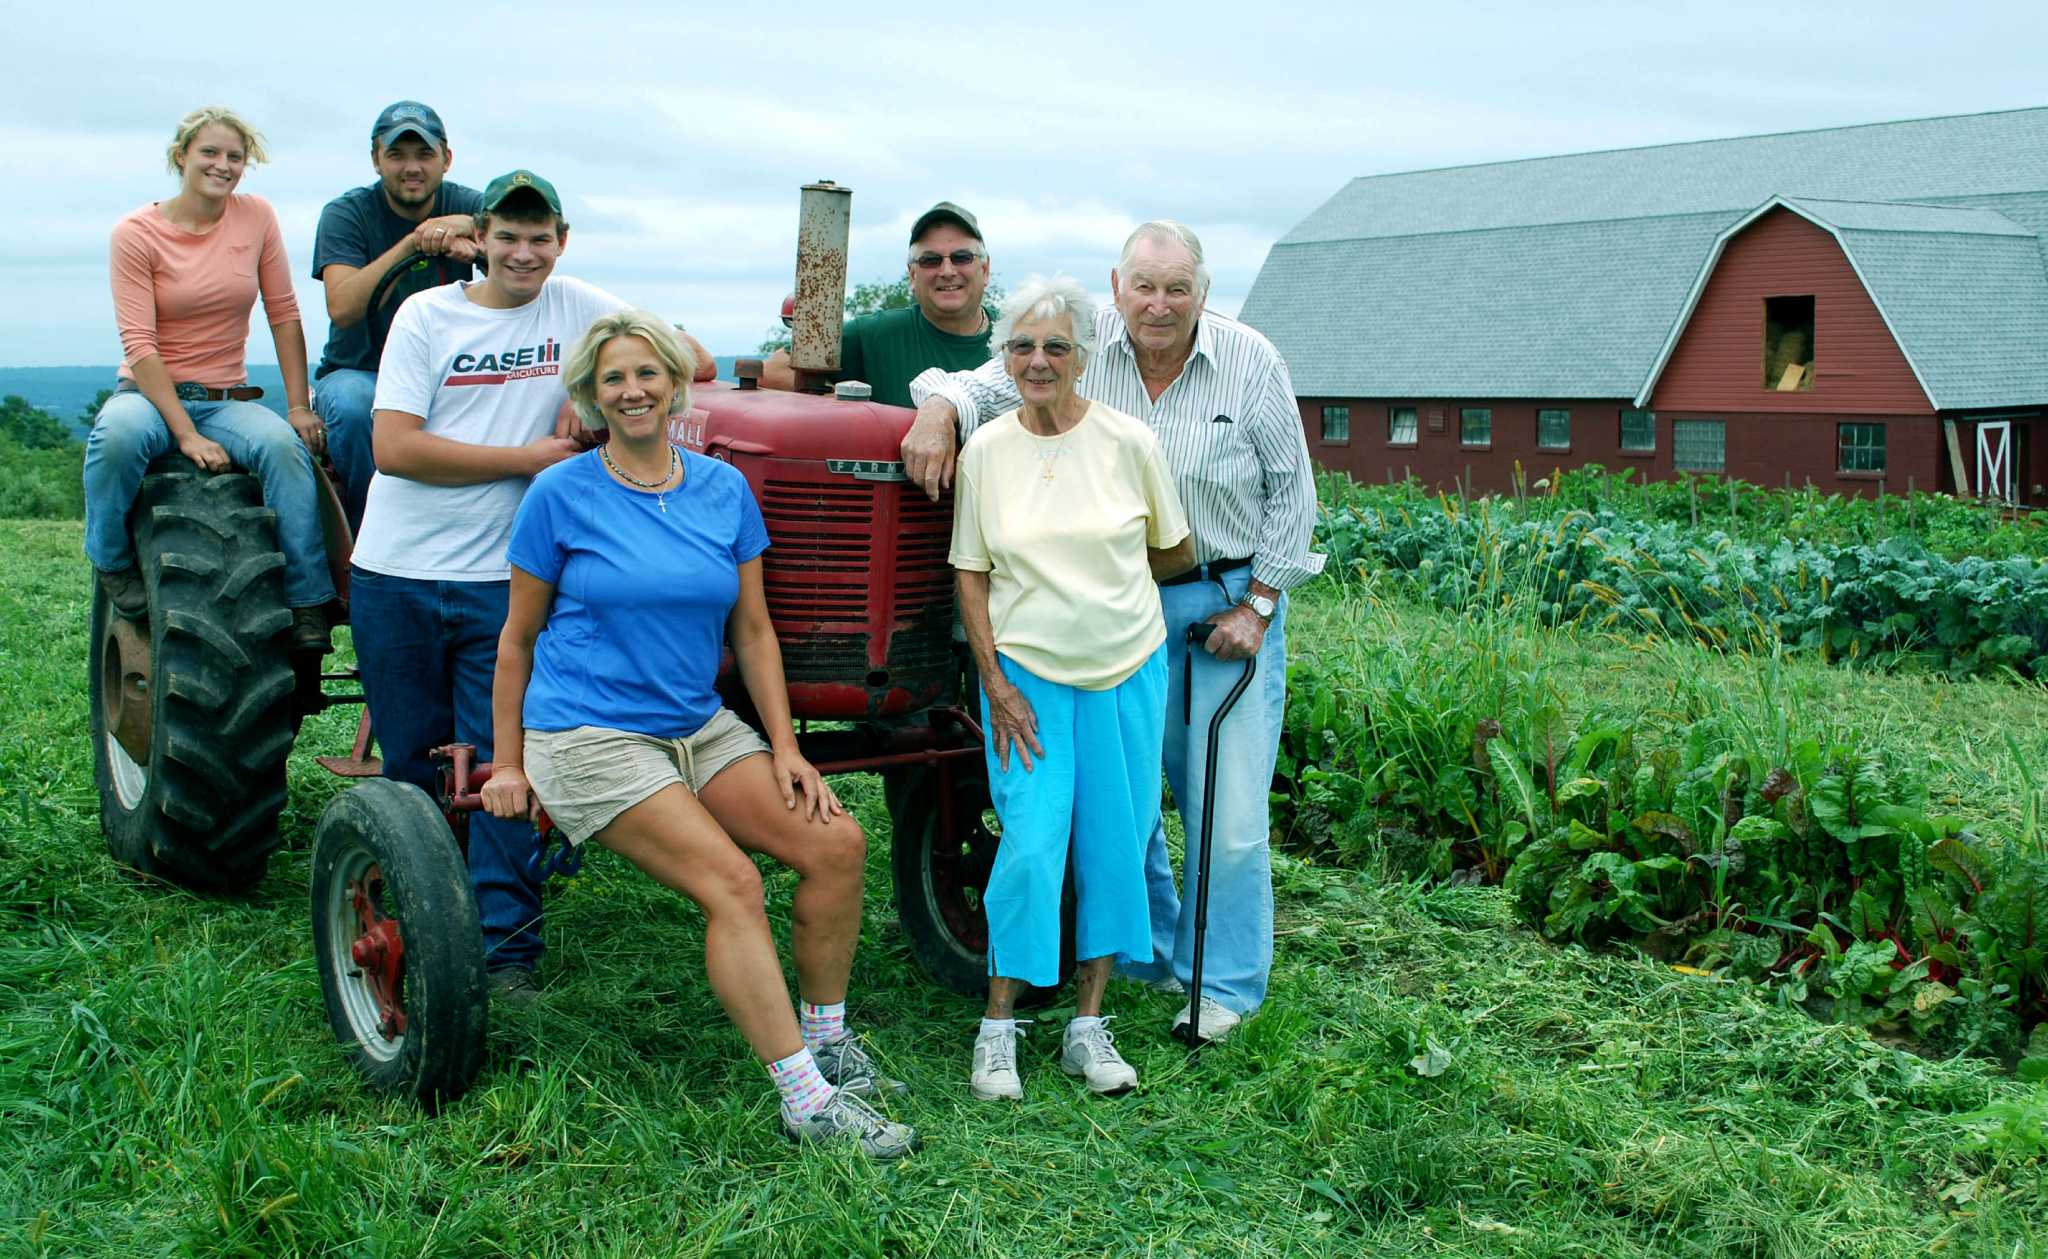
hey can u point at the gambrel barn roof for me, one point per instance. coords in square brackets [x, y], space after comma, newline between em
[1571, 277]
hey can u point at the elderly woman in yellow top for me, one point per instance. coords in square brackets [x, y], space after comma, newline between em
[1064, 517]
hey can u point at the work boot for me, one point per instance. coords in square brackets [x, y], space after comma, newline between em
[995, 1066]
[1091, 1053]
[514, 985]
[847, 1120]
[846, 1066]
[125, 591]
[309, 631]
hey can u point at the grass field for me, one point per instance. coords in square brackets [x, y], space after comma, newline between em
[1426, 1079]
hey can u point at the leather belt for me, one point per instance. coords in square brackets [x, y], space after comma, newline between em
[189, 392]
[1210, 571]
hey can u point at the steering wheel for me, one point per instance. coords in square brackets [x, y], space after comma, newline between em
[384, 302]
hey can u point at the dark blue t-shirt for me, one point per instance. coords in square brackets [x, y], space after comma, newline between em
[641, 593]
[355, 230]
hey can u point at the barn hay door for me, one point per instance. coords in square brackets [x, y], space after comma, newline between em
[1995, 461]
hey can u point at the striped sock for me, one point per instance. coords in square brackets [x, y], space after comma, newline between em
[822, 1023]
[804, 1091]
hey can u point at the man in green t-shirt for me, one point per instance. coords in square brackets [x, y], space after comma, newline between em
[945, 326]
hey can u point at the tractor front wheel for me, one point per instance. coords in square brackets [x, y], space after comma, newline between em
[395, 933]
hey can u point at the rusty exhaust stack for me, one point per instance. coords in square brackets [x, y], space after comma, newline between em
[821, 232]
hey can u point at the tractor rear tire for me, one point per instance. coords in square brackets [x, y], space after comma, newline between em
[387, 875]
[940, 878]
[193, 711]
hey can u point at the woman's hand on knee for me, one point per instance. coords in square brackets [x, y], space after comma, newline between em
[508, 795]
[205, 452]
[798, 777]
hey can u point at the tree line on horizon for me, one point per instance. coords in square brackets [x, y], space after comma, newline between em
[42, 466]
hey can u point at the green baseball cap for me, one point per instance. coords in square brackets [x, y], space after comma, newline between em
[506, 185]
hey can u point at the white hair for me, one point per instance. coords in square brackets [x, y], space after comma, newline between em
[1166, 232]
[1040, 298]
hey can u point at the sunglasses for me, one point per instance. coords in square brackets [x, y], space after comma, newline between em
[1023, 347]
[959, 258]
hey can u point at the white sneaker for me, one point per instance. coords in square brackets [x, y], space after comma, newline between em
[1169, 984]
[1217, 1020]
[995, 1066]
[1091, 1054]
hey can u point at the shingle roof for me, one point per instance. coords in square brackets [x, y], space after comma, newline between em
[1565, 277]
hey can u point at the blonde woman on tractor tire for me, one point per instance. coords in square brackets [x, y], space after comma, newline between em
[631, 566]
[186, 273]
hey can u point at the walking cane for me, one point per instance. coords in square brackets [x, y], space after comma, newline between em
[1198, 636]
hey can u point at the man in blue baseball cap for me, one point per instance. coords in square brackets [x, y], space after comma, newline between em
[364, 234]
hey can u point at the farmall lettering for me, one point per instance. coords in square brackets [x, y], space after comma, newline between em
[687, 430]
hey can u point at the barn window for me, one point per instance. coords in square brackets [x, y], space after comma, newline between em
[1400, 426]
[1638, 430]
[1475, 426]
[1788, 343]
[1554, 430]
[1859, 447]
[1699, 445]
[1337, 426]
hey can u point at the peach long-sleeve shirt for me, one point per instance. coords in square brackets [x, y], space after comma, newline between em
[186, 296]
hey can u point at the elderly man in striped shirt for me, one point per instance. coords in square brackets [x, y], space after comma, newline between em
[1219, 398]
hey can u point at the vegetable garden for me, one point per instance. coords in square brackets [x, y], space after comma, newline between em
[1728, 829]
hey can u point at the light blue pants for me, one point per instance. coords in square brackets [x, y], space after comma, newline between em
[1097, 783]
[344, 399]
[128, 433]
[1237, 956]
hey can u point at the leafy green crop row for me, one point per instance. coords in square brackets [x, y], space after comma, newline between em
[1941, 524]
[1733, 837]
[1893, 602]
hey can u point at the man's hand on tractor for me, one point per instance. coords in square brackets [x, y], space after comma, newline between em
[206, 453]
[508, 795]
[450, 234]
[569, 424]
[930, 445]
[545, 452]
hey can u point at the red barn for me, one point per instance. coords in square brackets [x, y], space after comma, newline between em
[1856, 307]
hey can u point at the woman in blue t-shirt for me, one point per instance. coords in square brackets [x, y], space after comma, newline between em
[632, 566]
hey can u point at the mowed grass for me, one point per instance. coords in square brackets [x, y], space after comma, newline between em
[1426, 1079]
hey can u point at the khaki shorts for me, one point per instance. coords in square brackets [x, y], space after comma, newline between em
[586, 777]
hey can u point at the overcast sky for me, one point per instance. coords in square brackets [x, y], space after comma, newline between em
[679, 138]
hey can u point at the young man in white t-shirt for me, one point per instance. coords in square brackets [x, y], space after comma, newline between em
[468, 392]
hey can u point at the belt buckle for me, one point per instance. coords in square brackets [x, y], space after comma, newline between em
[189, 392]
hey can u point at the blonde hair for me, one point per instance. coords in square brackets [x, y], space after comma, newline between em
[193, 123]
[579, 371]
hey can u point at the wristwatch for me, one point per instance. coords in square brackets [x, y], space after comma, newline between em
[1261, 606]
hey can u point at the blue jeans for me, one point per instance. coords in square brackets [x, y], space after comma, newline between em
[427, 651]
[1237, 956]
[343, 398]
[128, 433]
[1097, 783]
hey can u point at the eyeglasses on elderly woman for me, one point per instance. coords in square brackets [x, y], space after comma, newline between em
[1024, 347]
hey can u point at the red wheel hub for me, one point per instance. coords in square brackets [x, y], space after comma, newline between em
[379, 951]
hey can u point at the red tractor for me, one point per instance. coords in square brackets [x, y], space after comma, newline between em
[195, 711]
